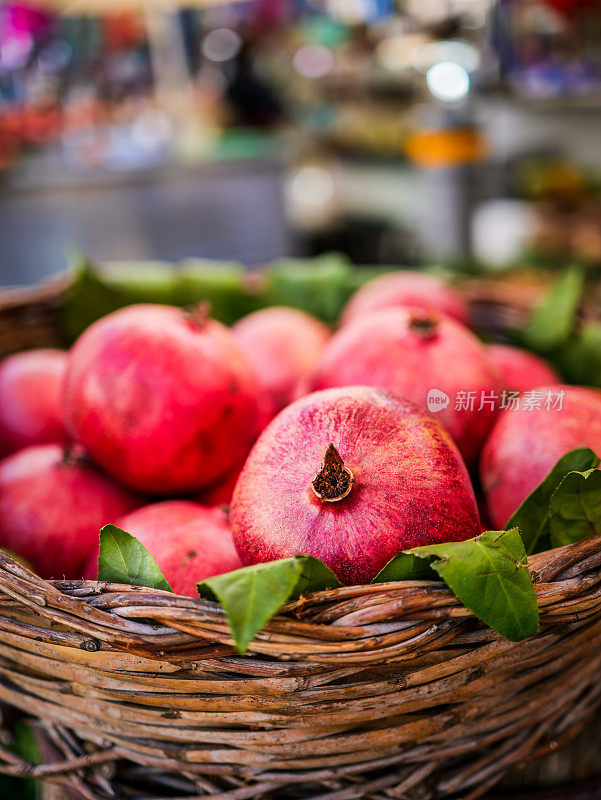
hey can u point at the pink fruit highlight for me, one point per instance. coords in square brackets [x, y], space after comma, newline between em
[351, 476]
[525, 445]
[31, 394]
[188, 541]
[406, 289]
[164, 401]
[520, 370]
[418, 355]
[282, 345]
[52, 507]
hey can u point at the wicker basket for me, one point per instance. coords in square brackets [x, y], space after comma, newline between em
[382, 691]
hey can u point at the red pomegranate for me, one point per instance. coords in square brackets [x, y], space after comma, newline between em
[406, 289]
[282, 345]
[165, 402]
[221, 493]
[188, 541]
[424, 357]
[351, 476]
[52, 506]
[31, 388]
[520, 370]
[526, 443]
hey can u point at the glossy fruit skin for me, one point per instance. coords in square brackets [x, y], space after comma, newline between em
[31, 395]
[411, 486]
[282, 346]
[52, 508]
[406, 289]
[521, 370]
[164, 403]
[188, 541]
[525, 445]
[382, 349]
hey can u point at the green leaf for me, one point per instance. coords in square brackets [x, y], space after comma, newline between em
[532, 517]
[25, 744]
[575, 508]
[314, 577]
[316, 285]
[490, 575]
[405, 567]
[123, 559]
[252, 595]
[579, 360]
[553, 321]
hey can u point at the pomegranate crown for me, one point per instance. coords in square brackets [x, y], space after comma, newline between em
[334, 480]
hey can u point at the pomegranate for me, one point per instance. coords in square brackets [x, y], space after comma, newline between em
[526, 443]
[31, 387]
[52, 506]
[221, 493]
[164, 401]
[188, 541]
[282, 345]
[422, 356]
[351, 476]
[520, 370]
[406, 289]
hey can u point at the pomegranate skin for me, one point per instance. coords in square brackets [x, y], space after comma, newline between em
[31, 393]
[520, 370]
[410, 485]
[164, 403]
[406, 289]
[282, 346]
[188, 541]
[52, 508]
[394, 350]
[525, 445]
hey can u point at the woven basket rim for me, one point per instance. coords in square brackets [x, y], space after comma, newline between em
[559, 570]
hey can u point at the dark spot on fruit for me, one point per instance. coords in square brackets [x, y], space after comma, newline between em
[191, 554]
[204, 443]
[233, 387]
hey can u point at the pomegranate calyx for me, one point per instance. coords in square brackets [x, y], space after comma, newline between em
[424, 326]
[199, 314]
[334, 480]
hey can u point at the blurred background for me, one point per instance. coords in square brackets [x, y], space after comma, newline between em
[464, 133]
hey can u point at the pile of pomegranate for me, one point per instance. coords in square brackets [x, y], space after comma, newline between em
[348, 446]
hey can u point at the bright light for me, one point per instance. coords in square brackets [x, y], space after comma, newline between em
[313, 61]
[311, 186]
[222, 44]
[310, 194]
[448, 81]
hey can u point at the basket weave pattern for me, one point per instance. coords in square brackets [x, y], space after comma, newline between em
[357, 692]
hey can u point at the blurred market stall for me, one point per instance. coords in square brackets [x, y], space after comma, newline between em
[461, 131]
